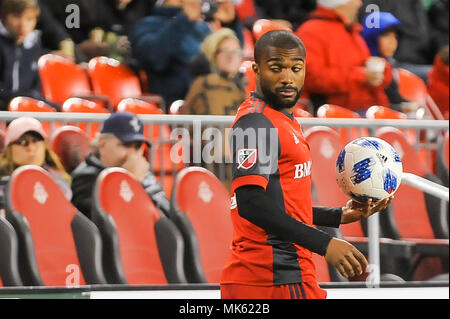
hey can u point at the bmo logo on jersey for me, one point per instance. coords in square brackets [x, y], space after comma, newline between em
[302, 170]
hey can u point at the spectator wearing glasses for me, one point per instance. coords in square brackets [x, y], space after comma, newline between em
[120, 143]
[25, 144]
[222, 90]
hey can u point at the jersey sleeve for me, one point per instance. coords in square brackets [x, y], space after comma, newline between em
[255, 150]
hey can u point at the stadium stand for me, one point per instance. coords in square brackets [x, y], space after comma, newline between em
[262, 26]
[141, 245]
[80, 105]
[62, 79]
[336, 111]
[111, 78]
[200, 207]
[247, 71]
[53, 235]
[422, 220]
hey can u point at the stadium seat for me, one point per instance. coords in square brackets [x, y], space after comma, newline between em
[79, 105]
[176, 107]
[28, 104]
[328, 111]
[411, 87]
[111, 78]
[9, 266]
[59, 246]
[71, 145]
[200, 207]
[141, 245]
[377, 112]
[414, 215]
[262, 26]
[62, 79]
[247, 71]
[325, 146]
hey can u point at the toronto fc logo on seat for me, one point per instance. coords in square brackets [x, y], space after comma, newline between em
[247, 158]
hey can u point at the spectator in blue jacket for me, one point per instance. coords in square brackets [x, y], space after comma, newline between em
[20, 49]
[166, 42]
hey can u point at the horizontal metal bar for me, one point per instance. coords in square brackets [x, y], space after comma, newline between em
[226, 120]
[425, 185]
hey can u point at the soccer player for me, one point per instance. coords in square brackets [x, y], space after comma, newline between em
[271, 205]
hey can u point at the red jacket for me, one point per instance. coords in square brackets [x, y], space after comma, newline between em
[335, 59]
[438, 87]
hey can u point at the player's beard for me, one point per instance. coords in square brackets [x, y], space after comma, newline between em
[275, 102]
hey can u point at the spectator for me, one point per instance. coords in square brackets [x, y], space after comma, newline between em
[293, 11]
[337, 58]
[166, 42]
[25, 145]
[220, 92]
[414, 50]
[438, 86]
[382, 41]
[438, 16]
[20, 49]
[119, 144]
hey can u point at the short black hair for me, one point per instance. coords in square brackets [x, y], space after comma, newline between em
[279, 39]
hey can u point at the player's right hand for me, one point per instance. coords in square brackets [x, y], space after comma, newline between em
[348, 260]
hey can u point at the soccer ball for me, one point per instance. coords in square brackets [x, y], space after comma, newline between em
[369, 167]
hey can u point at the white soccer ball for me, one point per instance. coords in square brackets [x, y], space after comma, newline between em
[369, 167]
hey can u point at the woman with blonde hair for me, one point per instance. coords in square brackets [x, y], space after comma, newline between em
[25, 145]
[222, 90]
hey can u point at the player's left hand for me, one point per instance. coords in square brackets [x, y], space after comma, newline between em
[354, 211]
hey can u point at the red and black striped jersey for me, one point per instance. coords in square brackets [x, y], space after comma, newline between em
[270, 151]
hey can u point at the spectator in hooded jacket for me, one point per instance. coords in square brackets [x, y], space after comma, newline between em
[337, 58]
[20, 49]
[381, 34]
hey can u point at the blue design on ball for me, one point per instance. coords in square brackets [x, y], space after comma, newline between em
[362, 170]
[390, 182]
[340, 161]
[364, 142]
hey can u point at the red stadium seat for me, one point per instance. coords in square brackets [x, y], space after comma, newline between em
[415, 216]
[377, 112]
[200, 207]
[336, 111]
[28, 104]
[71, 145]
[59, 245]
[262, 26]
[9, 263]
[78, 105]
[141, 246]
[411, 87]
[247, 71]
[111, 78]
[62, 79]
[325, 146]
